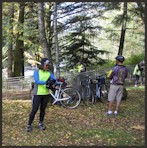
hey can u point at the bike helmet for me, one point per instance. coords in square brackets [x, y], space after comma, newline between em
[83, 69]
[45, 61]
[120, 58]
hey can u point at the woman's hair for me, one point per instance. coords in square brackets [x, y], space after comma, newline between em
[40, 66]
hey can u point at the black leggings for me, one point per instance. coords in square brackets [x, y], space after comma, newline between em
[137, 79]
[38, 100]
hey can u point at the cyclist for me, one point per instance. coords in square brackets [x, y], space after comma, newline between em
[117, 75]
[142, 64]
[80, 76]
[41, 95]
[81, 68]
[138, 71]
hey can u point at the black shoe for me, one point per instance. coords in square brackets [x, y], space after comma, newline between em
[29, 128]
[41, 126]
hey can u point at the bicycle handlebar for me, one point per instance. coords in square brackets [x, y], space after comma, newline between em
[90, 81]
[105, 75]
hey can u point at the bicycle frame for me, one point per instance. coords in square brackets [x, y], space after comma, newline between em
[88, 82]
[57, 98]
[98, 85]
[97, 90]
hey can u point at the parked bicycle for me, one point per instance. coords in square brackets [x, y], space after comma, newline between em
[125, 94]
[100, 89]
[68, 97]
[86, 92]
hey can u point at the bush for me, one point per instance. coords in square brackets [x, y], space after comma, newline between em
[134, 59]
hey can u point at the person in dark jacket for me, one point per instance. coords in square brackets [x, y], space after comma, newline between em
[117, 74]
[41, 94]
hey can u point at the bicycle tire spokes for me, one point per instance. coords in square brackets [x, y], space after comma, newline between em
[104, 93]
[125, 94]
[87, 96]
[73, 100]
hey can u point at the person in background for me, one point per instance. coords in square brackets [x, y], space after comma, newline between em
[117, 74]
[142, 64]
[138, 72]
[41, 94]
[81, 68]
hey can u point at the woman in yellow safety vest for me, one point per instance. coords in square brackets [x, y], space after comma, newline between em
[41, 93]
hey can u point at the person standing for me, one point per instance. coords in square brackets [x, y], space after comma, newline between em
[117, 74]
[41, 94]
[137, 73]
[142, 70]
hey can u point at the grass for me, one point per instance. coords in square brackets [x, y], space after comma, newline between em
[83, 126]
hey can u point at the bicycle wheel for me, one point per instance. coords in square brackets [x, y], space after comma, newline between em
[125, 94]
[73, 96]
[104, 93]
[87, 96]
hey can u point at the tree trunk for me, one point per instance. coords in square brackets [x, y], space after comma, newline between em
[56, 41]
[10, 41]
[19, 49]
[141, 9]
[42, 29]
[43, 38]
[50, 31]
[123, 30]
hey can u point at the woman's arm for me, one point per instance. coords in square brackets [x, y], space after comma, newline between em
[36, 78]
[53, 77]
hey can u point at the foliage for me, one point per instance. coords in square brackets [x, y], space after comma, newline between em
[84, 126]
[78, 45]
[93, 28]
[135, 59]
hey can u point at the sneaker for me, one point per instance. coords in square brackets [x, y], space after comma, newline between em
[41, 126]
[29, 128]
[115, 113]
[108, 113]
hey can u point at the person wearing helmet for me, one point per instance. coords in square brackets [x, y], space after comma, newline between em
[83, 68]
[117, 75]
[138, 72]
[41, 95]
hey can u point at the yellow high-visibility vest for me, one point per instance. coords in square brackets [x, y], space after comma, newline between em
[136, 70]
[80, 67]
[43, 76]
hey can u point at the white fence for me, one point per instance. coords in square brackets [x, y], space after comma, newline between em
[17, 87]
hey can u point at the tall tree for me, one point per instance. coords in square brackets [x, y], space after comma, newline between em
[123, 30]
[78, 39]
[19, 48]
[10, 40]
[49, 28]
[141, 10]
[42, 30]
[56, 41]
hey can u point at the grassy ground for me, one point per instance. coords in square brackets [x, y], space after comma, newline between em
[87, 126]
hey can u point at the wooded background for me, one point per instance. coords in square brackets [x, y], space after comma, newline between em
[70, 32]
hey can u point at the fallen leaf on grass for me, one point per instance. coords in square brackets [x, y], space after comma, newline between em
[139, 127]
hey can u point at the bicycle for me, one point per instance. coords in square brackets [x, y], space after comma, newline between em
[125, 94]
[68, 97]
[86, 92]
[101, 89]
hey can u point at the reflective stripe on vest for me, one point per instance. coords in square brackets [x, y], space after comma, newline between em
[43, 76]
